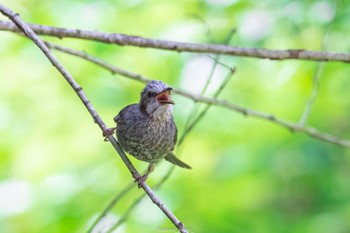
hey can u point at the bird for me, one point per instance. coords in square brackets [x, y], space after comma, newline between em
[146, 130]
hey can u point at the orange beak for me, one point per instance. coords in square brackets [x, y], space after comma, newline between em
[164, 96]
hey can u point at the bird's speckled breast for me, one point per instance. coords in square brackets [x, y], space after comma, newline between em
[145, 138]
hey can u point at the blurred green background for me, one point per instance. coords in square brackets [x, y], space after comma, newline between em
[249, 175]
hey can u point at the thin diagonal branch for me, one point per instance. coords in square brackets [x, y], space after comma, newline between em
[207, 28]
[111, 204]
[317, 73]
[205, 110]
[219, 62]
[195, 106]
[293, 127]
[189, 123]
[315, 87]
[137, 201]
[31, 35]
[99, 62]
[127, 40]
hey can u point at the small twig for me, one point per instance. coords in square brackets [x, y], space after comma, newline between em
[316, 76]
[127, 40]
[31, 35]
[195, 106]
[110, 205]
[206, 26]
[219, 62]
[137, 201]
[293, 127]
[315, 87]
[205, 110]
[99, 62]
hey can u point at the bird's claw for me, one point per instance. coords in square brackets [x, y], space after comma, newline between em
[140, 180]
[108, 132]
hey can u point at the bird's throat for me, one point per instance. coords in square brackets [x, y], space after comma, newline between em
[164, 112]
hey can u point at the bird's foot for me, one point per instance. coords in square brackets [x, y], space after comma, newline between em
[143, 178]
[108, 132]
[140, 180]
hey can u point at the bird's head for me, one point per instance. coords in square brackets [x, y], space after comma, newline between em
[156, 101]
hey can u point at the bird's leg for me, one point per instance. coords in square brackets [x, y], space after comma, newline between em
[143, 178]
[108, 132]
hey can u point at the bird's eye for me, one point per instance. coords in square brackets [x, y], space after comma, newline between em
[150, 94]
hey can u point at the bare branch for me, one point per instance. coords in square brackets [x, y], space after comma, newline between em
[121, 39]
[293, 127]
[111, 205]
[219, 62]
[206, 109]
[191, 121]
[206, 26]
[195, 106]
[317, 73]
[315, 87]
[269, 117]
[31, 35]
[137, 201]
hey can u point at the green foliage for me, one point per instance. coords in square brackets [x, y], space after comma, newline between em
[57, 174]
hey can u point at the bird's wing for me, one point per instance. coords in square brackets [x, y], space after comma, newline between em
[119, 118]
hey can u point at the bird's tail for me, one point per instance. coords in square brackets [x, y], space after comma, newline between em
[172, 159]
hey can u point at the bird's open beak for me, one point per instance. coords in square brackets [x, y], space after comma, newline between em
[164, 96]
